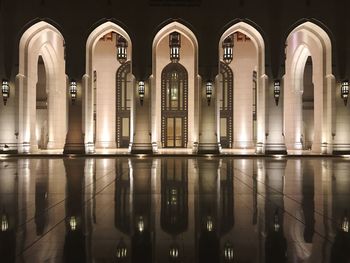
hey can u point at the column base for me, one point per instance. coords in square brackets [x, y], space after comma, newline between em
[208, 148]
[141, 148]
[74, 148]
[275, 148]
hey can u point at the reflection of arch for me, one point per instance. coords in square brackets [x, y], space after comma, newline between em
[89, 78]
[123, 106]
[258, 41]
[189, 59]
[174, 105]
[308, 39]
[41, 39]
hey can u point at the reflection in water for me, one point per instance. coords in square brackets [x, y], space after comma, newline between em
[74, 245]
[175, 210]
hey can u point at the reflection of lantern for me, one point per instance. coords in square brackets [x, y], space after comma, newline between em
[209, 224]
[140, 224]
[73, 90]
[345, 91]
[228, 252]
[73, 223]
[4, 223]
[209, 91]
[5, 90]
[122, 250]
[276, 223]
[345, 224]
[122, 45]
[277, 91]
[175, 44]
[141, 91]
[174, 252]
[227, 46]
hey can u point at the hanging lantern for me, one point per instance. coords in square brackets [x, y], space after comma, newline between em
[209, 91]
[122, 45]
[276, 223]
[5, 90]
[73, 223]
[141, 91]
[175, 44]
[345, 91]
[227, 46]
[345, 223]
[73, 90]
[277, 91]
[140, 224]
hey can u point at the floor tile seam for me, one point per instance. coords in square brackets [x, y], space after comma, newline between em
[62, 220]
[325, 237]
[285, 195]
[51, 207]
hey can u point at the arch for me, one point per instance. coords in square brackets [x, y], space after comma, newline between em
[41, 39]
[190, 62]
[88, 83]
[308, 39]
[261, 80]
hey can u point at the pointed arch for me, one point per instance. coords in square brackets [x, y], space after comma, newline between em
[41, 39]
[160, 58]
[106, 135]
[308, 39]
[261, 82]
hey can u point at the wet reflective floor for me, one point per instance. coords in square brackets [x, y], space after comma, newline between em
[175, 210]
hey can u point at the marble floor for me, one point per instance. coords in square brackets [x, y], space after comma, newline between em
[175, 209]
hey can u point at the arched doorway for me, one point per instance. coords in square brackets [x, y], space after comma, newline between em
[42, 89]
[175, 69]
[308, 83]
[241, 99]
[109, 85]
[174, 106]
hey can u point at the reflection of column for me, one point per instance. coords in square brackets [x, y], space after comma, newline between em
[74, 245]
[142, 224]
[41, 196]
[207, 218]
[275, 243]
[8, 210]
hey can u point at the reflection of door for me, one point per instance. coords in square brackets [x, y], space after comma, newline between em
[226, 106]
[174, 132]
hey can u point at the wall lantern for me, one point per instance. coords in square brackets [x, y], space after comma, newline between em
[175, 44]
[227, 46]
[141, 91]
[228, 252]
[122, 45]
[345, 91]
[5, 90]
[209, 91]
[277, 91]
[73, 90]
